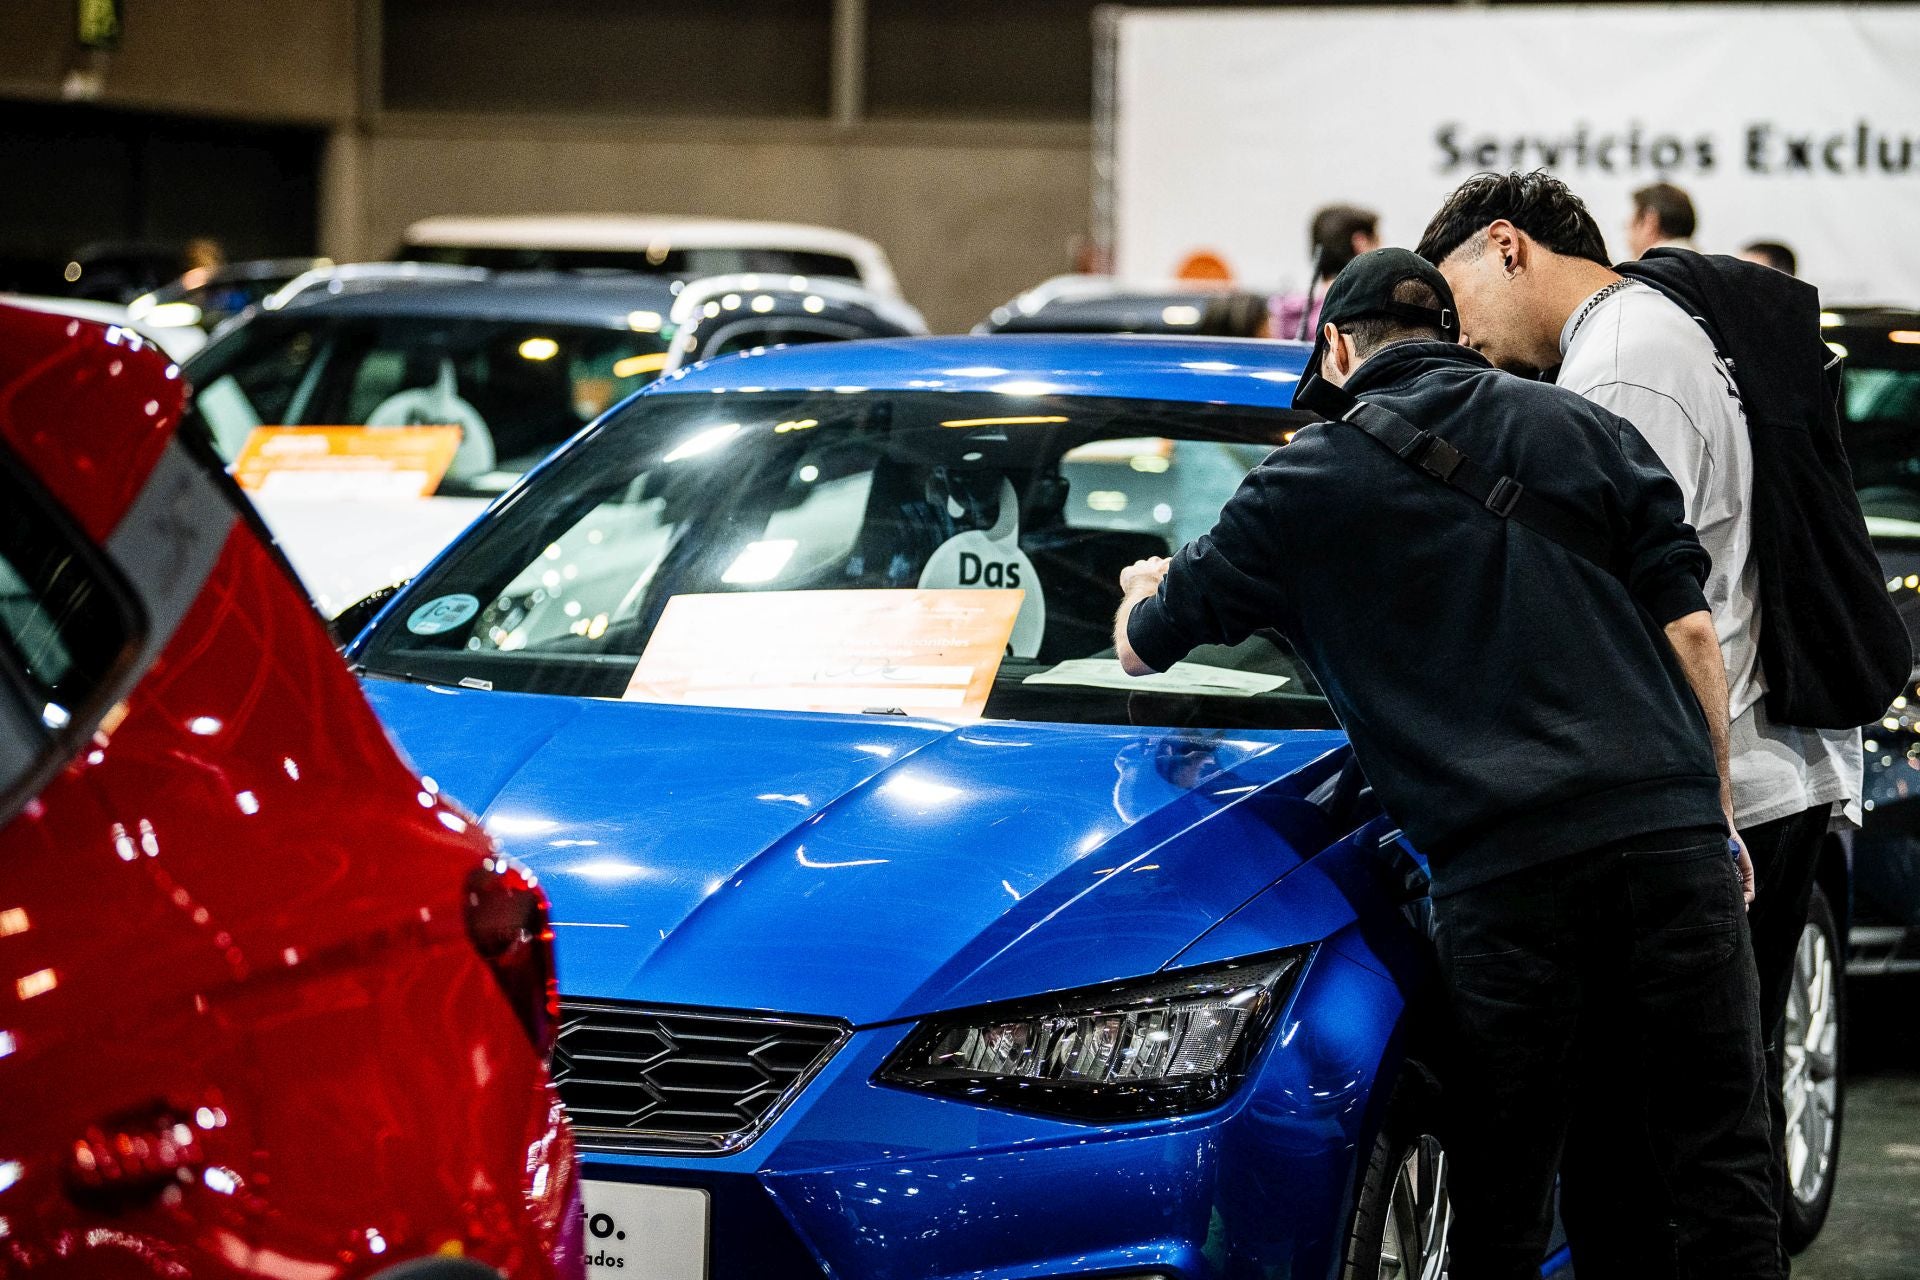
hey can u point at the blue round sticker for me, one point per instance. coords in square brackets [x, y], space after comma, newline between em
[442, 613]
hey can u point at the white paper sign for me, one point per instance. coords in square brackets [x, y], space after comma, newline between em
[654, 1233]
[1792, 124]
[1182, 677]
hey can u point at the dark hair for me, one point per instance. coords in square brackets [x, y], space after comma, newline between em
[1672, 209]
[1370, 333]
[1334, 228]
[1538, 203]
[1777, 255]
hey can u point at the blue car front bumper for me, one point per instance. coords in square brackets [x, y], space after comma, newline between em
[857, 1179]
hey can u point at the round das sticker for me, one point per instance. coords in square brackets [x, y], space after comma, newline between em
[992, 559]
[442, 613]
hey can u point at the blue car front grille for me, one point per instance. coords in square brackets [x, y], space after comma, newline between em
[682, 1081]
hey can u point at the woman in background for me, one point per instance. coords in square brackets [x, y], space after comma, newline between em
[1341, 233]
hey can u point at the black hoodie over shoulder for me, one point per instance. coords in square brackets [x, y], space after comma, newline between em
[1510, 701]
[1833, 647]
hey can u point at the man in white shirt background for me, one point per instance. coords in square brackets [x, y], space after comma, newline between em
[1529, 271]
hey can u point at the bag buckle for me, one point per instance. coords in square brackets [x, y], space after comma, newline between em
[1435, 456]
[1506, 493]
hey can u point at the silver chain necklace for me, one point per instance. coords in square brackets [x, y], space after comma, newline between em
[1593, 302]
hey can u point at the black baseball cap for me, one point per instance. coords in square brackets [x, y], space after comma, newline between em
[1364, 290]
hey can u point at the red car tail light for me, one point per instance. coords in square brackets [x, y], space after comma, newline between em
[508, 924]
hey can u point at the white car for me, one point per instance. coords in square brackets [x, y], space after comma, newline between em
[682, 247]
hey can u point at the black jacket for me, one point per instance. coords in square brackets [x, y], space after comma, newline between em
[1833, 650]
[1509, 701]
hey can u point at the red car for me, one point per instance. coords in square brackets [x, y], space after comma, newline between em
[269, 1006]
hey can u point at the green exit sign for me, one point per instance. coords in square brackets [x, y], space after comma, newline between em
[98, 23]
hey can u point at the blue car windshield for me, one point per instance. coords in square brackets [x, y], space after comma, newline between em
[563, 587]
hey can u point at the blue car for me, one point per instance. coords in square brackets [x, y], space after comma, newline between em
[899, 934]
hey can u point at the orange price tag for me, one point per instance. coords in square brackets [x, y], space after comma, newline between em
[346, 462]
[928, 653]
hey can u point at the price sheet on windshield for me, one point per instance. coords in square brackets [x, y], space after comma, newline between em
[925, 653]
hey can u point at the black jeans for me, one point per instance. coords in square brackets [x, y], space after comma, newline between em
[1624, 970]
[1619, 1222]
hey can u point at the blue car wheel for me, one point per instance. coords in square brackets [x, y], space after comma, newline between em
[1403, 1213]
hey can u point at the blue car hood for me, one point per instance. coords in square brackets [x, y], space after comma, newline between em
[865, 867]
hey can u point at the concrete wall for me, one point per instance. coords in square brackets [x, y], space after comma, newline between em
[266, 60]
[970, 215]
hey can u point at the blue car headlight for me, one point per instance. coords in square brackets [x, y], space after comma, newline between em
[1163, 1045]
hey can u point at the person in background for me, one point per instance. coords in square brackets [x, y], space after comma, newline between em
[1527, 263]
[1662, 219]
[1085, 256]
[1340, 233]
[203, 253]
[1771, 253]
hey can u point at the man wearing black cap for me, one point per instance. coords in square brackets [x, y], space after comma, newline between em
[1492, 580]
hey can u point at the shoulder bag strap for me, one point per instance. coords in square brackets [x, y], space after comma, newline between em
[1503, 495]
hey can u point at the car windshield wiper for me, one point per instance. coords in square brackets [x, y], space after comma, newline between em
[360, 669]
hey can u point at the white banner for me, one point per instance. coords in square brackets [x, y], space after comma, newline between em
[1792, 124]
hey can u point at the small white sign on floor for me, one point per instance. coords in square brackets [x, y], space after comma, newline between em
[638, 1232]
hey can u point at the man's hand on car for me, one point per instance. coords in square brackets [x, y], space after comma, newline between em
[1137, 581]
[1142, 577]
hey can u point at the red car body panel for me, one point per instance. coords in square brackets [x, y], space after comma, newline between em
[52, 367]
[237, 917]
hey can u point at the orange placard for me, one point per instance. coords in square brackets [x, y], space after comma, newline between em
[928, 653]
[346, 462]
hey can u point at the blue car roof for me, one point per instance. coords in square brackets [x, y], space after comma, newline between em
[1249, 371]
[555, 297]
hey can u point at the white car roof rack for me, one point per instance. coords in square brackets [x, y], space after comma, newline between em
[344, 277]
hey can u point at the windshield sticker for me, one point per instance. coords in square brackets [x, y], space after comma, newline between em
[991, 560]
[930, 653]
[346, 462]
[442, 614]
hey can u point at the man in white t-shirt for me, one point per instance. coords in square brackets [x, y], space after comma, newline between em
[1528, 269]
